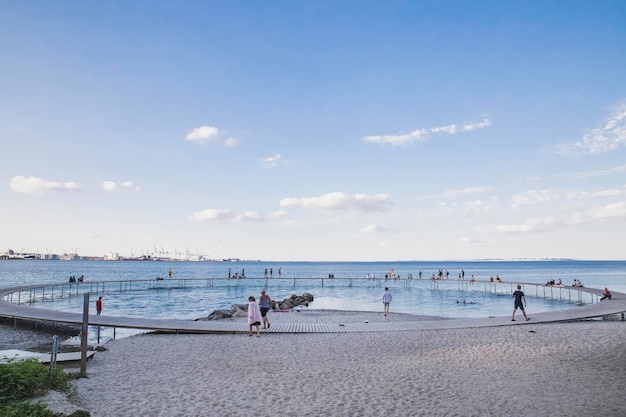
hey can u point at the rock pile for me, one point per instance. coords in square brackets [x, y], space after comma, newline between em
[241, 310]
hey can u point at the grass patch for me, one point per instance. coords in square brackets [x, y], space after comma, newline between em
[21, 380]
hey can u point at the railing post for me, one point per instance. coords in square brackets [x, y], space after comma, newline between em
[53, 354]
[85, 335]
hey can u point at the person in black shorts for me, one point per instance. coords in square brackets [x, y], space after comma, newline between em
[520, 302]
[264, 303]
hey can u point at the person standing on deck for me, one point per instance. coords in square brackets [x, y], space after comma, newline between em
[519, 297]
[99, 305]
[254, 316]
[264, 303]
[386, 300]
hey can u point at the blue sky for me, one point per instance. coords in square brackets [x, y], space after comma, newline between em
[323, 130]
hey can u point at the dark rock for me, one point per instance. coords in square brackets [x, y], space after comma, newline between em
[241, 310]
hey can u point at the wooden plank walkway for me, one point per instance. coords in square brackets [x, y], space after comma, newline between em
[6, 355]
[614, 306]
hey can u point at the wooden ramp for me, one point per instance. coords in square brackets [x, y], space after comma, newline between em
[42, 357]
[617, 305]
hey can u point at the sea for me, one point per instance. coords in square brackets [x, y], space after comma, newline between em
[350, 290]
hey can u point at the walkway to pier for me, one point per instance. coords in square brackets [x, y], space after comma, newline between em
[13, 310]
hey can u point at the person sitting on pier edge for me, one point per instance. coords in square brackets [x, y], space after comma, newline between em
[606, 294]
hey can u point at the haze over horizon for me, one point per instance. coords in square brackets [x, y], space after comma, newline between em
[319, 131]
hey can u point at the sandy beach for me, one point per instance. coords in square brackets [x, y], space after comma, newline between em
[561, 369]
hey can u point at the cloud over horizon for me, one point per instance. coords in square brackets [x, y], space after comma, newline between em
[204, 134]
[127, 185]
[418, 135]
[374, 228]
[229, 216]
[611, 135]
[272, 161]
[341, 201]
[35, 185]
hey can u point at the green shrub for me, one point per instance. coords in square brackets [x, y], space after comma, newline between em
[22, 379]
[24, 409]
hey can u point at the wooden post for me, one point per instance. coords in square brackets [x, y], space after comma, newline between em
[84, 335]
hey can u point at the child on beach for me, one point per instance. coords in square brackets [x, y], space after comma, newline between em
[519, 297]
[99, 305]
[386, 300]
[254, 316]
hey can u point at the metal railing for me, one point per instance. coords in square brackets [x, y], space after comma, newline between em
[47, 292]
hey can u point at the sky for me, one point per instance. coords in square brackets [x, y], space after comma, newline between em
[314, 130]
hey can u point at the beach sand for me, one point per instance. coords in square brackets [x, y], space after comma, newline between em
[561, 369]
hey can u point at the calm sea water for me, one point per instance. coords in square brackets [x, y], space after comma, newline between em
[417, 298]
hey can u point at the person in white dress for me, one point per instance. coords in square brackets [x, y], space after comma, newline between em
[254, 316]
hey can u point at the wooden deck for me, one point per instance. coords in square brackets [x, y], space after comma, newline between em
[6, 355]
[617, 305]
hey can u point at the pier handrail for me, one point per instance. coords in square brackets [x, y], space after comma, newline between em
[15, 311]
[126, 285]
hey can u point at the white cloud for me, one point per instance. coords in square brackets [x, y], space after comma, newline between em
[607, 211]
[34, 185]
[228, 216]
[272, 161]
[230, 142]
[610, 135]
[279, 214]
[610, 211]
[252, 215]
[127, 185]
[373, 228]
[203, 134]
[461, 192]
[397, 140]
[590, 174]
[532, 197]
[423, 134]
[586, 195]
[341, 201]
[468, 127]
[530, 225]
[475, 207]
[213, 214]
[450, 129]
[109, 185]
